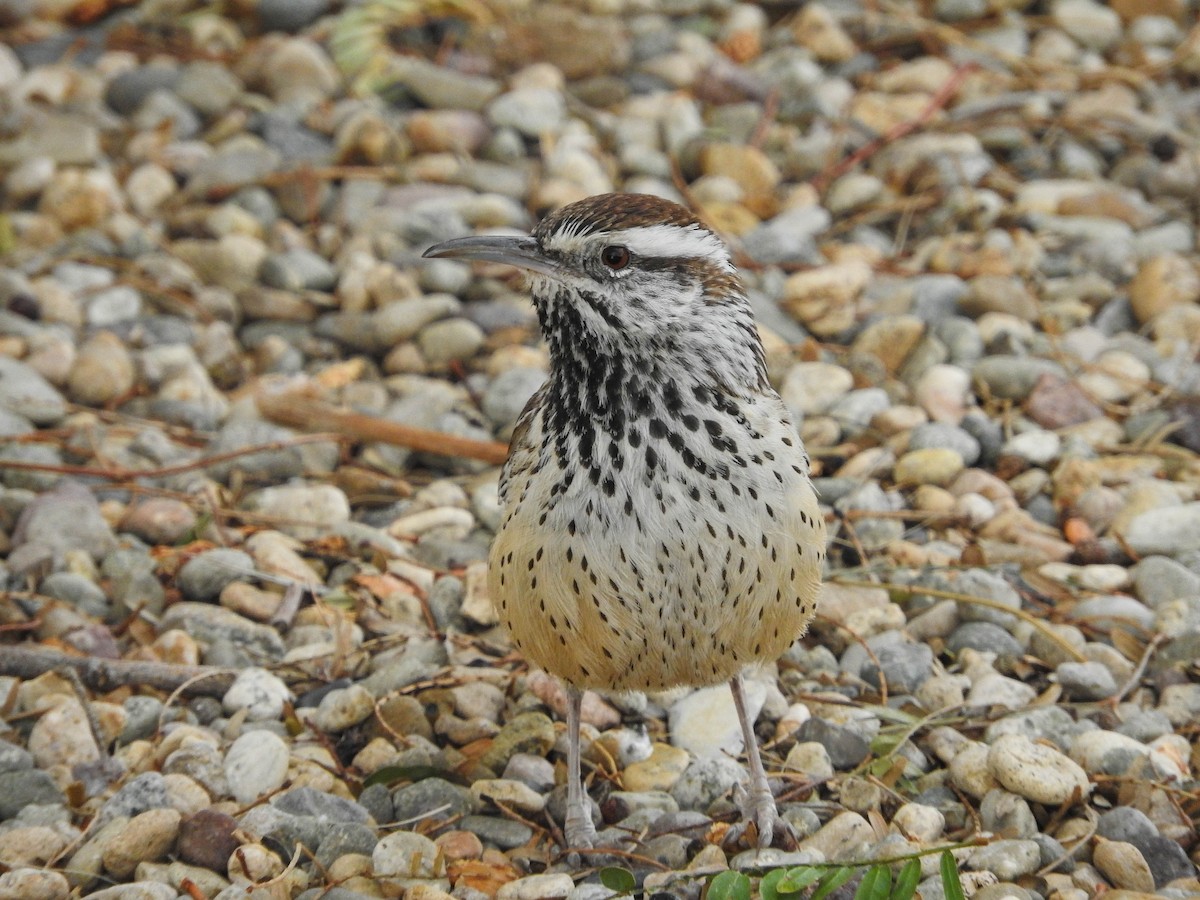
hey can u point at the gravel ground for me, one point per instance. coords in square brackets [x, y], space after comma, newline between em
[969, 229]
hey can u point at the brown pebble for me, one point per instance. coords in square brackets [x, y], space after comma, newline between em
[207, 839]
[1056, 402]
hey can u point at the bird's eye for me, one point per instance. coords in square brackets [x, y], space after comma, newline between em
[615, 257]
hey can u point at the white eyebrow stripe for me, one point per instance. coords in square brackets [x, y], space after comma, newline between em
[688, 242]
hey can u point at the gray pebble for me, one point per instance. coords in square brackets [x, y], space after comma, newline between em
[506, 396]
[142, 714]
[215, 626]
[289, 15]
[1168, 530]
[66, 518]
[1013, 377]
[14, 758]
[82, 593]
[433, 798]
[942, 434]
[789, 237]
[504, 833]
[1108, 611]
[1158, 580]
[126, 92]
[141, 793]
[22, 787]
[1008, 859]
[1167, 860]
[27, 394]
[705, 780]
[340, 838]
[985, 636]
[1086, 680]
[205, 575]
[905, 665]
[298, 269]
[1007, 815]
[847, 747]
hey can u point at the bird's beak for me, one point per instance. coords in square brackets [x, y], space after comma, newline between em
[522, 252]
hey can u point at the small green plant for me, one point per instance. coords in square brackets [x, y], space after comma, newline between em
[817, 880]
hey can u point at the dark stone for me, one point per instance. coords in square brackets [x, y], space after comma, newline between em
[206, 839]
[846, 746]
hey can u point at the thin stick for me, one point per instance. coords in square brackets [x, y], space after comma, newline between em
[120, 473]
[869, 149]
[299, 410]
[108, 674]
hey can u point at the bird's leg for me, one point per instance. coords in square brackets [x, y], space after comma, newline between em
[760, 804]
[580, 832]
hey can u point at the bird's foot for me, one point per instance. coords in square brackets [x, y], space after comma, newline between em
[758, 807]
[579, 830]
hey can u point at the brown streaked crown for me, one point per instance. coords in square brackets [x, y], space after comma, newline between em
[611, 212]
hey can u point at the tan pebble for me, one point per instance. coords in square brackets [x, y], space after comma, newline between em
[426, 892]
[897, 420]
[1035, 771]
[33, 884]
[549, 886]
[159, 520]
[969, 770]
[919, 822]
[815, 29]
[810, 758]
[841, 837]
[146, 837]
[459, 845]
[944, 392]
[103, 370]
[253, 862]
[176, 646]
[932, 465]
[250, 601]
[510, 793]
[1161, 282]
[349, 865]
[79, 198]
[824, 299]
[344, 708]
[752, 169]
[882, 112]
[1123, 865]
[31, 846]
[657, 772]
[62, 736]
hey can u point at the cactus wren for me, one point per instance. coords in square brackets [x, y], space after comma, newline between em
[659, 524]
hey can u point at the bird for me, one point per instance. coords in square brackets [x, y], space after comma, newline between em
[659, 527]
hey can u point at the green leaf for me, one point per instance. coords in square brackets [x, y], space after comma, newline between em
[775, 886]
[729, 885]
[798, 879]
[618, 878]
[951, 885]
[875, 885]
[832, 882]
[907, 880]
[768, 885]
